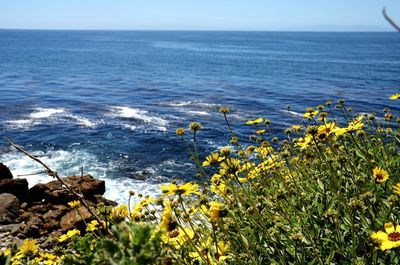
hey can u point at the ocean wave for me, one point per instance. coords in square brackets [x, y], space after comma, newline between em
[137, 114]
[42, 113]
[200, 113]
[49, 116]
[191, 103]
[293, 113]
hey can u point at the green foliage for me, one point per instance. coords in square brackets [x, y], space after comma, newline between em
[130, 244]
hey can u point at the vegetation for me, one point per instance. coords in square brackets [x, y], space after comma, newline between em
[326, 194]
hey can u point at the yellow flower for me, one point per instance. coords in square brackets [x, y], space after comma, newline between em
[194, 126]
[304, 142]
[48, 258]
[92, 226]
[213, 252]
[388, 239]
[231, 166]
[29, 247]
[168, 222]
[225, 151]
[212, 160]
[296, 128]
[68, 235]
[380, 175]
[119, 213]
[310, 113]
[264, 152]
[260, 131]
[216, 210]
[180, 131]
[74, 204]
[396, 188]
[185, 189]
[257, 121]
[5, 253]
[395, 96]
[178, 237]
[224, 110]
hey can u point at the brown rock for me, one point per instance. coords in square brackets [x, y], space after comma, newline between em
[39, 208]
[17, 187]
[73, 219]
[9, 208]
[107, 202]
[52, 218]
[53, 191]
[5, 172]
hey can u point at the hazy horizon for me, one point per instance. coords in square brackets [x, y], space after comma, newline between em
[207, 15]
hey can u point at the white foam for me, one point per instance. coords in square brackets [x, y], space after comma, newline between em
[49, 116]
[82, 121]
[129, 127]
[118, 189]
[200, 113]
[127, 112]
[42, 113]
[294, 113]
[191, 103]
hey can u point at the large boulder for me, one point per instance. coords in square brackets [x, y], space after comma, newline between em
[75, 219]
[5, 172]
[9, 208]
[55, 193]
[17, 187]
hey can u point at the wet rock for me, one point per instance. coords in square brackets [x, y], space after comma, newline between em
[9, 208]
[17, 187]
[53, 191]
[5, 172]
[75, 219]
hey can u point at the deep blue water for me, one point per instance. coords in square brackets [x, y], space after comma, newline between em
[111, 100]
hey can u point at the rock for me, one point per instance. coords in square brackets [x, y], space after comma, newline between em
[51, 219]
[31, 231]
[9, 208]
[17, 187]
[107, 202]
[5, 172]
[24, 205]
[73, 219]
[51, 239]
[54, 193]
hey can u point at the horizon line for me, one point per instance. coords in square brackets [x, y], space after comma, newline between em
[204, 30]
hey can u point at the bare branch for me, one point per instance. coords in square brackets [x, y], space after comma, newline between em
[391, 21]
[31, 174]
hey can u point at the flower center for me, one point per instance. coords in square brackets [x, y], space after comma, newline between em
[395, 236]
[379, 177]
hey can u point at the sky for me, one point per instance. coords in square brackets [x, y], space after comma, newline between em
[291, 15]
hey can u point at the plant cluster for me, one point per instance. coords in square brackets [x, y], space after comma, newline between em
[325, 194]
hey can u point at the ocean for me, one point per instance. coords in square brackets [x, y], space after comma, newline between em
[110, 101]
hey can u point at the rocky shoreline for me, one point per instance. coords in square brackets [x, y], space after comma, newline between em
[42, 212]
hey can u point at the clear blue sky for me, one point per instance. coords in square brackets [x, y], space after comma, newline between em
[198, 14]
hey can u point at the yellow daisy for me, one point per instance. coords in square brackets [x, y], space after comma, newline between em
[380, 175]
[388, 239]
[395, 96]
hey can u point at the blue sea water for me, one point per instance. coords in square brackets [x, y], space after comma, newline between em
[110, 101]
